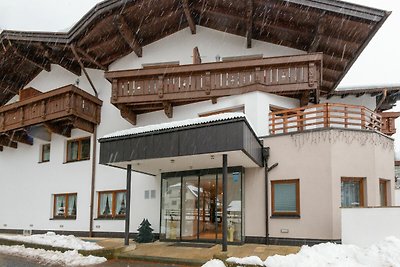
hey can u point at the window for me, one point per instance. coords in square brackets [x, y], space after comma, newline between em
[78, 149]
[65, 206]
[383, 187]
[45, 153]
[112, 204]
[352, 192]
[285, 197]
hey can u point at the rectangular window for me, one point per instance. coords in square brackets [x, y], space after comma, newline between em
[112, 204]
[285, 197]
[65, 206]
[45, 153]
[352, 192]
[383, 187]
[78, 149]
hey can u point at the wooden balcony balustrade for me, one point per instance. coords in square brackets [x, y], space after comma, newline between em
[324, 116]
[388, 121]
[164, 86]
[58, 111]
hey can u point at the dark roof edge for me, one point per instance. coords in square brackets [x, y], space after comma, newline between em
[335, 6]
[362, 47]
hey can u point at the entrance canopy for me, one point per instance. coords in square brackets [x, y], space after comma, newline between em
[183, 145]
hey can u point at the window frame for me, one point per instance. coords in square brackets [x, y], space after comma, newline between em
[114, 214]
[79, 140]
[295, 214]
[385, 183]
[361, 181]
[66, 216]
[42, 160]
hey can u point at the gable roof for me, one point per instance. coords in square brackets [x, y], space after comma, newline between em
[115, 28]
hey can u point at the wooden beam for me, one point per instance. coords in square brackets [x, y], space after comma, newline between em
[43, 64]
[90, 58]
[249, 31]
[1, 148]
[196, 56]
[360, 94]
[127, 35]
[128, 115]
[83, 125]
[6, 141]
[67, 64]
[168, 109]
[64, 130]
[305, 97]
[189, 18]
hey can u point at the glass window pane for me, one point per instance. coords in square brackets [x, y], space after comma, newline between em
[60, 205]
[106, 204]
[351, 194]
[171, 208]
[46, 153]
[71, 205]
[72, 149]
[285, 197]
[120, 205]
[85, 148]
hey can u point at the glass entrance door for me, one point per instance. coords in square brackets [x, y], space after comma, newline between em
[190, 207]
[208, 219]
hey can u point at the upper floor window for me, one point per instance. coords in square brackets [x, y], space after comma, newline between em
[285, 197]
[112, 204]
[65, 206]
[352, 192]
[78, 149]
[45, 153]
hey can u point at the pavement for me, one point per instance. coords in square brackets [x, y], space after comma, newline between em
[169, 253]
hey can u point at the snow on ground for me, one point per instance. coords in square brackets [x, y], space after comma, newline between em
[68, 258]
[382, 254]
[51, 239]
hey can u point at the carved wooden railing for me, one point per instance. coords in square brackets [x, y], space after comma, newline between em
[324, 116]
[196, 82]
[68, 102]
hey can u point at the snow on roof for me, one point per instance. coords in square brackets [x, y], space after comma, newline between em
[175, 124]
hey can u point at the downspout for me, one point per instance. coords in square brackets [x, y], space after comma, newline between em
[94, 149]
[267, 169]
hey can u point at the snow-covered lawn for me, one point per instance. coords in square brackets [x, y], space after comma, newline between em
[51, 239]
[68, 258]
[382, 254]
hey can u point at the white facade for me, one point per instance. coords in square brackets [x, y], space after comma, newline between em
[27, 187]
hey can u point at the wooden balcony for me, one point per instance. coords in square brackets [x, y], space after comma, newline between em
[57, 111]
[160, 87]
[324, 116]
[388, 121]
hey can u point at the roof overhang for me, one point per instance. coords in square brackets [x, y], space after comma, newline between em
[113, 29]
[192, 146]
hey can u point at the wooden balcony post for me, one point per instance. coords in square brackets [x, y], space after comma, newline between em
[160, 86]
[272, 126]
[207, 83]
[326, 116]
[2, 121]
[21, 112]
[363, 125]
[285, 122]
[43, 109]
[346, 117]
[114, 90]
[257, 75]
[311, 74]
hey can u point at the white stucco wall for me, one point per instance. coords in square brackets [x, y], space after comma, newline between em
[27, 186]
[366, 226]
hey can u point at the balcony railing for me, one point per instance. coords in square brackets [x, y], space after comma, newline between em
[153, 88]
[68, 107]
[324, 116]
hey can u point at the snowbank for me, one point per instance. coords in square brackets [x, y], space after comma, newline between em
[51, 239]
[382, 254]
[68, 258]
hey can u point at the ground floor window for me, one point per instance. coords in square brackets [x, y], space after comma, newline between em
[191, 207]
[352, 190]
[112, 204]
[285, 196]
[383, 189]
[65, 206]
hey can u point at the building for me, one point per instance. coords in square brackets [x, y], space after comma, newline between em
[165, 79]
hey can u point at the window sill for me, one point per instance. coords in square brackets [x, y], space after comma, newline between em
[62, 218]
[109, 219]
[40, 162]
[73, 161]
[285, 216]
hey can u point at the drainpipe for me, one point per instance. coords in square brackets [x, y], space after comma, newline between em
[94, 149]
[266, 157]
